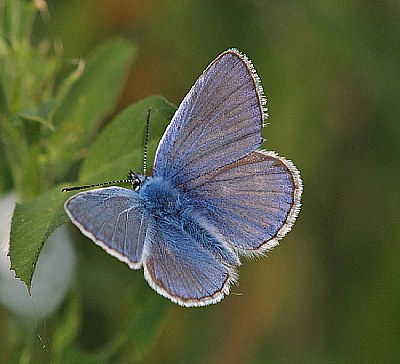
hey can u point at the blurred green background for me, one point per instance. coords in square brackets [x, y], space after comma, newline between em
[331, 74]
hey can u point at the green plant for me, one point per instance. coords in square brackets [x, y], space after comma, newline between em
[49, 134]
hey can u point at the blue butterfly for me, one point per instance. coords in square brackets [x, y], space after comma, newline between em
[213, 194]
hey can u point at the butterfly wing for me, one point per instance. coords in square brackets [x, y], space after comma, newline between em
[217, 123]
[179, 266]
[113, 219]
[252, 202]
[208, 150]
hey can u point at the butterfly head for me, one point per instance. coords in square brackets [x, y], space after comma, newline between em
[135, 180]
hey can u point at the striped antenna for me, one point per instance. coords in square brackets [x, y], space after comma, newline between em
[133, 179]
[77, 188]
[146, 140]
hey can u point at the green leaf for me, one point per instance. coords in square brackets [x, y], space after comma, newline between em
[88, 101]
[98, 88]
[119, 147]
[32, 223]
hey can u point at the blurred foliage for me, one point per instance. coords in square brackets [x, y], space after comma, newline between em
[330, 70]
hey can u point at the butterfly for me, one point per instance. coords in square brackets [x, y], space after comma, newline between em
[213, 196]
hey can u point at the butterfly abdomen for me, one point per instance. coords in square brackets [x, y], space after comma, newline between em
[206, 236]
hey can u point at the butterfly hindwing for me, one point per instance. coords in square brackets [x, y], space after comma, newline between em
[113, 219]
[179, 266]
[252, 202]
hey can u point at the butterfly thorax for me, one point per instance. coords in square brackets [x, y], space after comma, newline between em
[160, 198]
[171, 207]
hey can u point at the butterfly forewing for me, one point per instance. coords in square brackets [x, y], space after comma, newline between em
[218, 122]
[113, 219]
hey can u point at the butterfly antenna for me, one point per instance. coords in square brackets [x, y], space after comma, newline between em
[146, 140]
[77, 188]
[132, 177]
